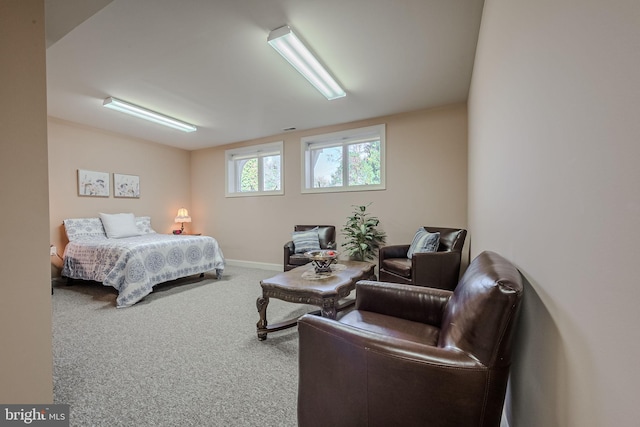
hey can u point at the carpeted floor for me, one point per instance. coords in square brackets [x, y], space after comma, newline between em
[187, 355]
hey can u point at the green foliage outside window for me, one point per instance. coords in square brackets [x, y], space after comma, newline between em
[363, 165]
[271, 165]
[249, 176]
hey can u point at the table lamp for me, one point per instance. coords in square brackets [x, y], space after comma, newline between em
[182, 217]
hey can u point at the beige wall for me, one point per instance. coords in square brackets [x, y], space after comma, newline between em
[164, 176]
[426, 185]
[554, 153]
[25, 301]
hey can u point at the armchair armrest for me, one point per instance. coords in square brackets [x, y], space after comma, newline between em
[393, 251]
[349, 376]
[419, 304]
[289, 248]
[436, 269]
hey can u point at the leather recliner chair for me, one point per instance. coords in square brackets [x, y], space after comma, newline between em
[326, 236]
[439, 269]
[413, 356]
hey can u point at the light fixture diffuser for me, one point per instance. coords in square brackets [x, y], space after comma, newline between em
[287, 44]
[143, 113]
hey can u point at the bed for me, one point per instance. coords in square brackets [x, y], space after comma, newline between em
[135, 261]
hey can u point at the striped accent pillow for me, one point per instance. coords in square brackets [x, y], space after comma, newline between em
[307, 240]
[424, 241]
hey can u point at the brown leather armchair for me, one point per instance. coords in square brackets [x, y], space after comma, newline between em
[326, 235]
[413, 356]
[439, 269]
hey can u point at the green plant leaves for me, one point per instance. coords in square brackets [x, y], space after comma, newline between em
[363, 239]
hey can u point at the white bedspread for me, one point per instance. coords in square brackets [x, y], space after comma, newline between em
[133, 265]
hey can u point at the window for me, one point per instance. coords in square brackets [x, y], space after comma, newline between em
[351, 160]
[255, 170]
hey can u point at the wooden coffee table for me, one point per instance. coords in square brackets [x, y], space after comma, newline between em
[326, 292]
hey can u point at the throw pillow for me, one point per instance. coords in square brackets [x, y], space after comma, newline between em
[119, 225]
[144, 225]
[84, 229]
[424, 241]
[305, 241]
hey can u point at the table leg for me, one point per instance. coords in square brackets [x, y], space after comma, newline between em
[329, 309]
[262, 303]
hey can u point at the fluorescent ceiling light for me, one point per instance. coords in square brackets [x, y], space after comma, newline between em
[143, 113]
[284, 40]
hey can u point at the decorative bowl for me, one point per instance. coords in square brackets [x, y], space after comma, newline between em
[322, 259]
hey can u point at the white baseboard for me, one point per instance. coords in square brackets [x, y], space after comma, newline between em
[253, 264]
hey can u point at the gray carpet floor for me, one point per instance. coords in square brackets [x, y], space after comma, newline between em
[186, 355]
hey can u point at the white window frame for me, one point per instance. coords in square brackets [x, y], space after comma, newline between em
[343, 139]
[232, 175]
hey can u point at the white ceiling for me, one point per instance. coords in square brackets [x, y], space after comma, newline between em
[207, 62]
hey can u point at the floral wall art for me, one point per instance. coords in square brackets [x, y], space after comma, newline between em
[126, 185]
[91, 183]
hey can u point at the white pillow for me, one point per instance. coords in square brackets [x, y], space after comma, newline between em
[119, 225]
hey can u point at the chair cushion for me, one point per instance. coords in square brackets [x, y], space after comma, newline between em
[423, 241]
[399, 266]
[307, 240]
[392, 326]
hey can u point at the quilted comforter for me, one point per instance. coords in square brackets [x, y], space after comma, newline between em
[134, 265]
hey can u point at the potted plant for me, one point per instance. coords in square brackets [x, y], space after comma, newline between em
[362, 237]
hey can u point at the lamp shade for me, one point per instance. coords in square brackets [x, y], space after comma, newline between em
[183, 215]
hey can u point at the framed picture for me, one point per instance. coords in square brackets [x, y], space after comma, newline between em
[91, 183]
[126, 185]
